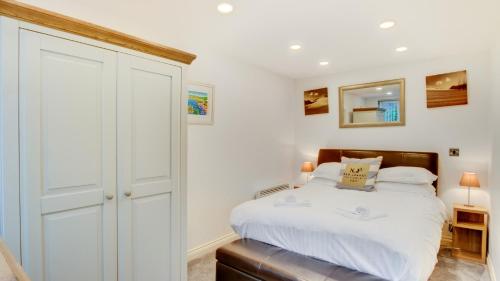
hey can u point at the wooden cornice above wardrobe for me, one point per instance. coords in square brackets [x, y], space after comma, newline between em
[28, 13]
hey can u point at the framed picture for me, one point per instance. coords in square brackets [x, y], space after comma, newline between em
[316, 101]
[200, 103]
[447, 89]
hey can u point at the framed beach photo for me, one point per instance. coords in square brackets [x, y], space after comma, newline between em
[200, 103]
[447, 89]
[316, 101]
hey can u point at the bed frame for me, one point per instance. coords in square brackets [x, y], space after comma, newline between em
[250, 260]
[427, 160]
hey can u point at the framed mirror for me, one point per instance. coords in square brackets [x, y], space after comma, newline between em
[377, 104]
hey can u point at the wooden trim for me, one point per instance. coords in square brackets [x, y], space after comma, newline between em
[367, 109]
[17, 270]
[28, 13]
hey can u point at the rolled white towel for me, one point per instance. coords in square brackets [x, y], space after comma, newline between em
[291, 201]
[360, 213]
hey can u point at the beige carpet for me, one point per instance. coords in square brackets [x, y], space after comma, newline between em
[447, 269]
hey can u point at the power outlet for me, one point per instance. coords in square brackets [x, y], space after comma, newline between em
[454, 152]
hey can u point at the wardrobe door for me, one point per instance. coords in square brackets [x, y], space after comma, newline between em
[68, 159]
[149, 100]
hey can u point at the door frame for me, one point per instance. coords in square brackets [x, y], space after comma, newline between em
[10, 216]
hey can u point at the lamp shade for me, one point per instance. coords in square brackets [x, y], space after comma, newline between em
[469, 180]
[307, 167]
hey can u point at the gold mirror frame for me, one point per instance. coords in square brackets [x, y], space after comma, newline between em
[402, 119]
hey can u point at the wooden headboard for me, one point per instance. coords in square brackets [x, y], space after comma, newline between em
[427, 160]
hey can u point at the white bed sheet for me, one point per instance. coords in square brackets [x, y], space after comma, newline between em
[401, 247]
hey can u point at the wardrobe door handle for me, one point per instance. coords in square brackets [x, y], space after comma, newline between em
[128, 193]
[109, 196]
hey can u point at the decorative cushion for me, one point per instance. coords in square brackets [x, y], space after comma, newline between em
[359, 174]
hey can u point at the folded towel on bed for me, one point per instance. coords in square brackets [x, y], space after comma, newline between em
[291, 201]
[360, 213]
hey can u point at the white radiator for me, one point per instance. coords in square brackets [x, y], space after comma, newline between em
[271, 190]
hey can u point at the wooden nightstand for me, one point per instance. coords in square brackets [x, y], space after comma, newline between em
[470, 232]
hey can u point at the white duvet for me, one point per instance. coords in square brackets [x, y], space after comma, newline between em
[401, 246]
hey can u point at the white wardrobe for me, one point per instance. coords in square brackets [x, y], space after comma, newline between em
[100, 152]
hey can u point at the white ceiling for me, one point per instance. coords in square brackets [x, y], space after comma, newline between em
[344, 32]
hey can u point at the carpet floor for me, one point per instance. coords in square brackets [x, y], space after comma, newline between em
[447, 269]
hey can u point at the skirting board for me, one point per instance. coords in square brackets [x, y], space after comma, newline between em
[211, 246]
[491, 269]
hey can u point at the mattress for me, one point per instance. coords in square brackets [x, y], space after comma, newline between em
[400, 245]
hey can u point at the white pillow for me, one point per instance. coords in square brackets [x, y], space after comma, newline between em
[408, 175]
[323, 181]
[330, 170]
[420, 189]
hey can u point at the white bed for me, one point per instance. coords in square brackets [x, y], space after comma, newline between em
[402, 246]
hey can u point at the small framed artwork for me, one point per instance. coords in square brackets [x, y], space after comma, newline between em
[447, 89]
[200, 103]
[316, 101]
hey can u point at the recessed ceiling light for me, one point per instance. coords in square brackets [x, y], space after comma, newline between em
[401, 49]
[378, 88]
[225, 8]
[324, 63]
[295, 47]
[387, 24]
[389, 93]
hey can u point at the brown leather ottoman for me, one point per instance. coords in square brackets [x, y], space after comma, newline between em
[250, 260]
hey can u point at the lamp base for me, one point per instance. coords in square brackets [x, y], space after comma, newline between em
[468, 199]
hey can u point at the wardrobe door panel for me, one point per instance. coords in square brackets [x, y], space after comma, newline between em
[64, 236]
[68, 159]
[150, 239]
[151, 109]
[148, 167]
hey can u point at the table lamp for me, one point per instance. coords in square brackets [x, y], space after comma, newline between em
[307, 167]
[469, 180]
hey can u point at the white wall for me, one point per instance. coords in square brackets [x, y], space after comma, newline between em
[494, 243]
[434, 130]
[159, 21]
[249, 147]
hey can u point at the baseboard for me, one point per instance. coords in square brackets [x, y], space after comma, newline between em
[491, 269]
[211, 246]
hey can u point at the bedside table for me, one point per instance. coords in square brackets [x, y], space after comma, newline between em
[470, 232]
